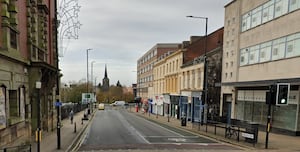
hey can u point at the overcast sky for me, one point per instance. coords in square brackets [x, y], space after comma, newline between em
[119, 32]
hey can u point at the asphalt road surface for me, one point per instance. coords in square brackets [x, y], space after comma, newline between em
[118, 129]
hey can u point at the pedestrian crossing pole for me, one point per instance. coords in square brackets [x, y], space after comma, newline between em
[269, 100]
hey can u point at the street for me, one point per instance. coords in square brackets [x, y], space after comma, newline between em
[117, 129]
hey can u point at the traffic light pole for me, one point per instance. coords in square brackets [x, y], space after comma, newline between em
[268, 125]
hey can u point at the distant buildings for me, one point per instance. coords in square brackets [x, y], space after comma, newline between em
[258, 47]
[145, 67]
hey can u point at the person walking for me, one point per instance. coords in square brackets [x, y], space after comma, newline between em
[71, 116]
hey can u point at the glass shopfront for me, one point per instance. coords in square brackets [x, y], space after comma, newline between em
[251, 106]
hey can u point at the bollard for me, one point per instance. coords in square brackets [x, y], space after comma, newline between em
[74, 127]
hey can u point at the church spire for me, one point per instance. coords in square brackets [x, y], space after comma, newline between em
[105, 73]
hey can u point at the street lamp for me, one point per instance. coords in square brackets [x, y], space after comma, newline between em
[92, 71]
[66, 27]
[87, 70]
[204, 96]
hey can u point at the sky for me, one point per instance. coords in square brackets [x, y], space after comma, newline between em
[119, 32]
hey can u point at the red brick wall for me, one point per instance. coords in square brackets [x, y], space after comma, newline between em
[197, 48]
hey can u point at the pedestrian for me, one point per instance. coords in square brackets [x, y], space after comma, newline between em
[71, 116]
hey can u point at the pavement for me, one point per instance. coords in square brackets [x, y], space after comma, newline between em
[68, 135]
[277, 142]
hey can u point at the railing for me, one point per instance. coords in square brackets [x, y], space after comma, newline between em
[235, 130]
[21, 148]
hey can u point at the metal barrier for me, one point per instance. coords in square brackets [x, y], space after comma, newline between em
[21, 148]
[237, 129]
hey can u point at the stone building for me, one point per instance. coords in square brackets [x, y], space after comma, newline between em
[261, 48]
[27, 55]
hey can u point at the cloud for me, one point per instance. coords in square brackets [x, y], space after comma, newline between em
[121, 31]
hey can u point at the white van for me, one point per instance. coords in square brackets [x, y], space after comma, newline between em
[119, 103]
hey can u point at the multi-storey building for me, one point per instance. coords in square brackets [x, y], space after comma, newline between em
[180, 75]
[27, 56]
[261, 48]
[145, 67]
[166, 80]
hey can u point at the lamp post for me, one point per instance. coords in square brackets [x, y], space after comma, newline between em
[92, 82]
[87, 70]
[204, 95]
[87, 75]
[66, 27]
[38, 86]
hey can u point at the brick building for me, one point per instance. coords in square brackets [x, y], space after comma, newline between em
[27, 55]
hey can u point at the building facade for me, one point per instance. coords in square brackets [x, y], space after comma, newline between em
[261, 48]
[179, 78]
[27, 55]
[145, 68]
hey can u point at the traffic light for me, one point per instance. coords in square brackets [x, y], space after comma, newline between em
[282, 96]
[271, 95]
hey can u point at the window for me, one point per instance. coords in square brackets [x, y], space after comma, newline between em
[268, 11]
[13, 39]
[293, 45]
[294, 4]
[278, 50]
[226, 65]
[244, 57]
[231, 64]
[254, 51]
[256, 16]
[246, 21]
[281, 7]
[16, 105]
[265, 52]
[2, 107]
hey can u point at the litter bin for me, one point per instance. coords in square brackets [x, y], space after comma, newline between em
[252, 128]
[183, 120]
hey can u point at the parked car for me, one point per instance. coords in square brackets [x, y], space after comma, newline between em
[101, 106]
[118, 103]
